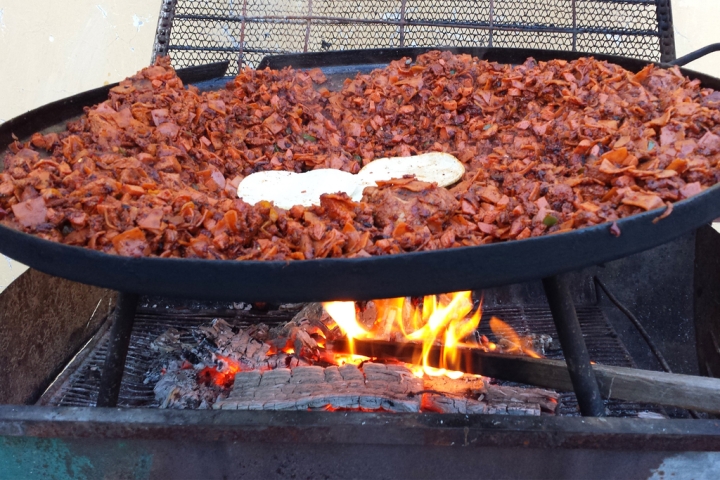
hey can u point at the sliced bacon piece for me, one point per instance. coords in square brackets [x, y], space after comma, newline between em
[152, 220]
[647, 201]
[691, 189]
[131, 243]
[30, 213]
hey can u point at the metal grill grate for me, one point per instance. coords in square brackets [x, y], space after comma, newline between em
[80, 388]
[196, 32]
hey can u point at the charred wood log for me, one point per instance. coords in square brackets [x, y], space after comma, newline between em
[376, 386]
[630, 384]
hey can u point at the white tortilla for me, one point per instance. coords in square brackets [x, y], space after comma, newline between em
[438, 167]
[305, 188]
[257, 187]
[287, 189]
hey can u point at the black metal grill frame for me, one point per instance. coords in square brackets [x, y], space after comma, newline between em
[196, 32]
[80, 386]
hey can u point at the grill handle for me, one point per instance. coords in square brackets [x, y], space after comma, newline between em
[692, 56]
[200, 73]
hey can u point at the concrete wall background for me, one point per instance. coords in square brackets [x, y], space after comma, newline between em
[696, 25]
[54, 49]
[50, 49]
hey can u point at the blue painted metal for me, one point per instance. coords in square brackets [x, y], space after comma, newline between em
[31, 458]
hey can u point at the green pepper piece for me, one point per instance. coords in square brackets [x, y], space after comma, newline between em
[549, 220]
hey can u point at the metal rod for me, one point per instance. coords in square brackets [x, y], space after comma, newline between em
[164, 28]
[573, 346]
[574, 20]
[641, 330]
[241, 52]
[402, 23]
[307, 28]
[663, 14]
[692, 56]
[491, 21]
[510, 27]
[646, 336]
[117, 350]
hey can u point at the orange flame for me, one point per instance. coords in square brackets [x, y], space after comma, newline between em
[222, 375]
[513, 342]
[446, 317]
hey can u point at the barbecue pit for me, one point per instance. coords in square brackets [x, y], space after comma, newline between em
[333, 443]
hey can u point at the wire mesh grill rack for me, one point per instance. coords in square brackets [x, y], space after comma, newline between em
[79, 385]
[196, 32]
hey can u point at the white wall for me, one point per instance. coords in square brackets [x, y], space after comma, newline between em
[53, 49]
[696, 25]
[50, 49]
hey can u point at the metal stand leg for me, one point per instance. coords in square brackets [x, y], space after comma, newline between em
[117, 350]
[573, 346]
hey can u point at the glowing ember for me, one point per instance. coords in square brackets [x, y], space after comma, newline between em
[222, 374]
[287, 366]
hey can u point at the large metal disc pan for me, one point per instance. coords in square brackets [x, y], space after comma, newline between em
[360, 279]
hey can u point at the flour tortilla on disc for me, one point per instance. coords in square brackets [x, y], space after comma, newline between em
[437, 167]
[287, 189]
[305, 189]
[261, 186]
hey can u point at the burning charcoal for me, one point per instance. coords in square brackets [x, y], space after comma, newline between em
[546, 399]
[497, 409]
[167, 342]
[523, 409]
[541, 342]
[310, 374]
[380, 372]
[465, 384]
[259, 332]
[476, 407]
[190, 357]
[351, 373]
[247, 379]
[332, 374]
[179, 389]
[276, 377]
[368, 313]
[245, 368]
[293, 362]
[443, 404]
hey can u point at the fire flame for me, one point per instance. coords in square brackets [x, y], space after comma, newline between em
[513, 342]
[446, 317]
[447, 320]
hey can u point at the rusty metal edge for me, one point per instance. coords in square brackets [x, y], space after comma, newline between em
[361, 428]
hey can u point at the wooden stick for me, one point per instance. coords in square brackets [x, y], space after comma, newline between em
[629, 384]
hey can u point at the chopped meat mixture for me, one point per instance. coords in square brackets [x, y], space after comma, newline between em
[548, 147]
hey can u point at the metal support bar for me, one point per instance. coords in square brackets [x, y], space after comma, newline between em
[162, 34]
[663, 13]
[573, 346]
[117, 350]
